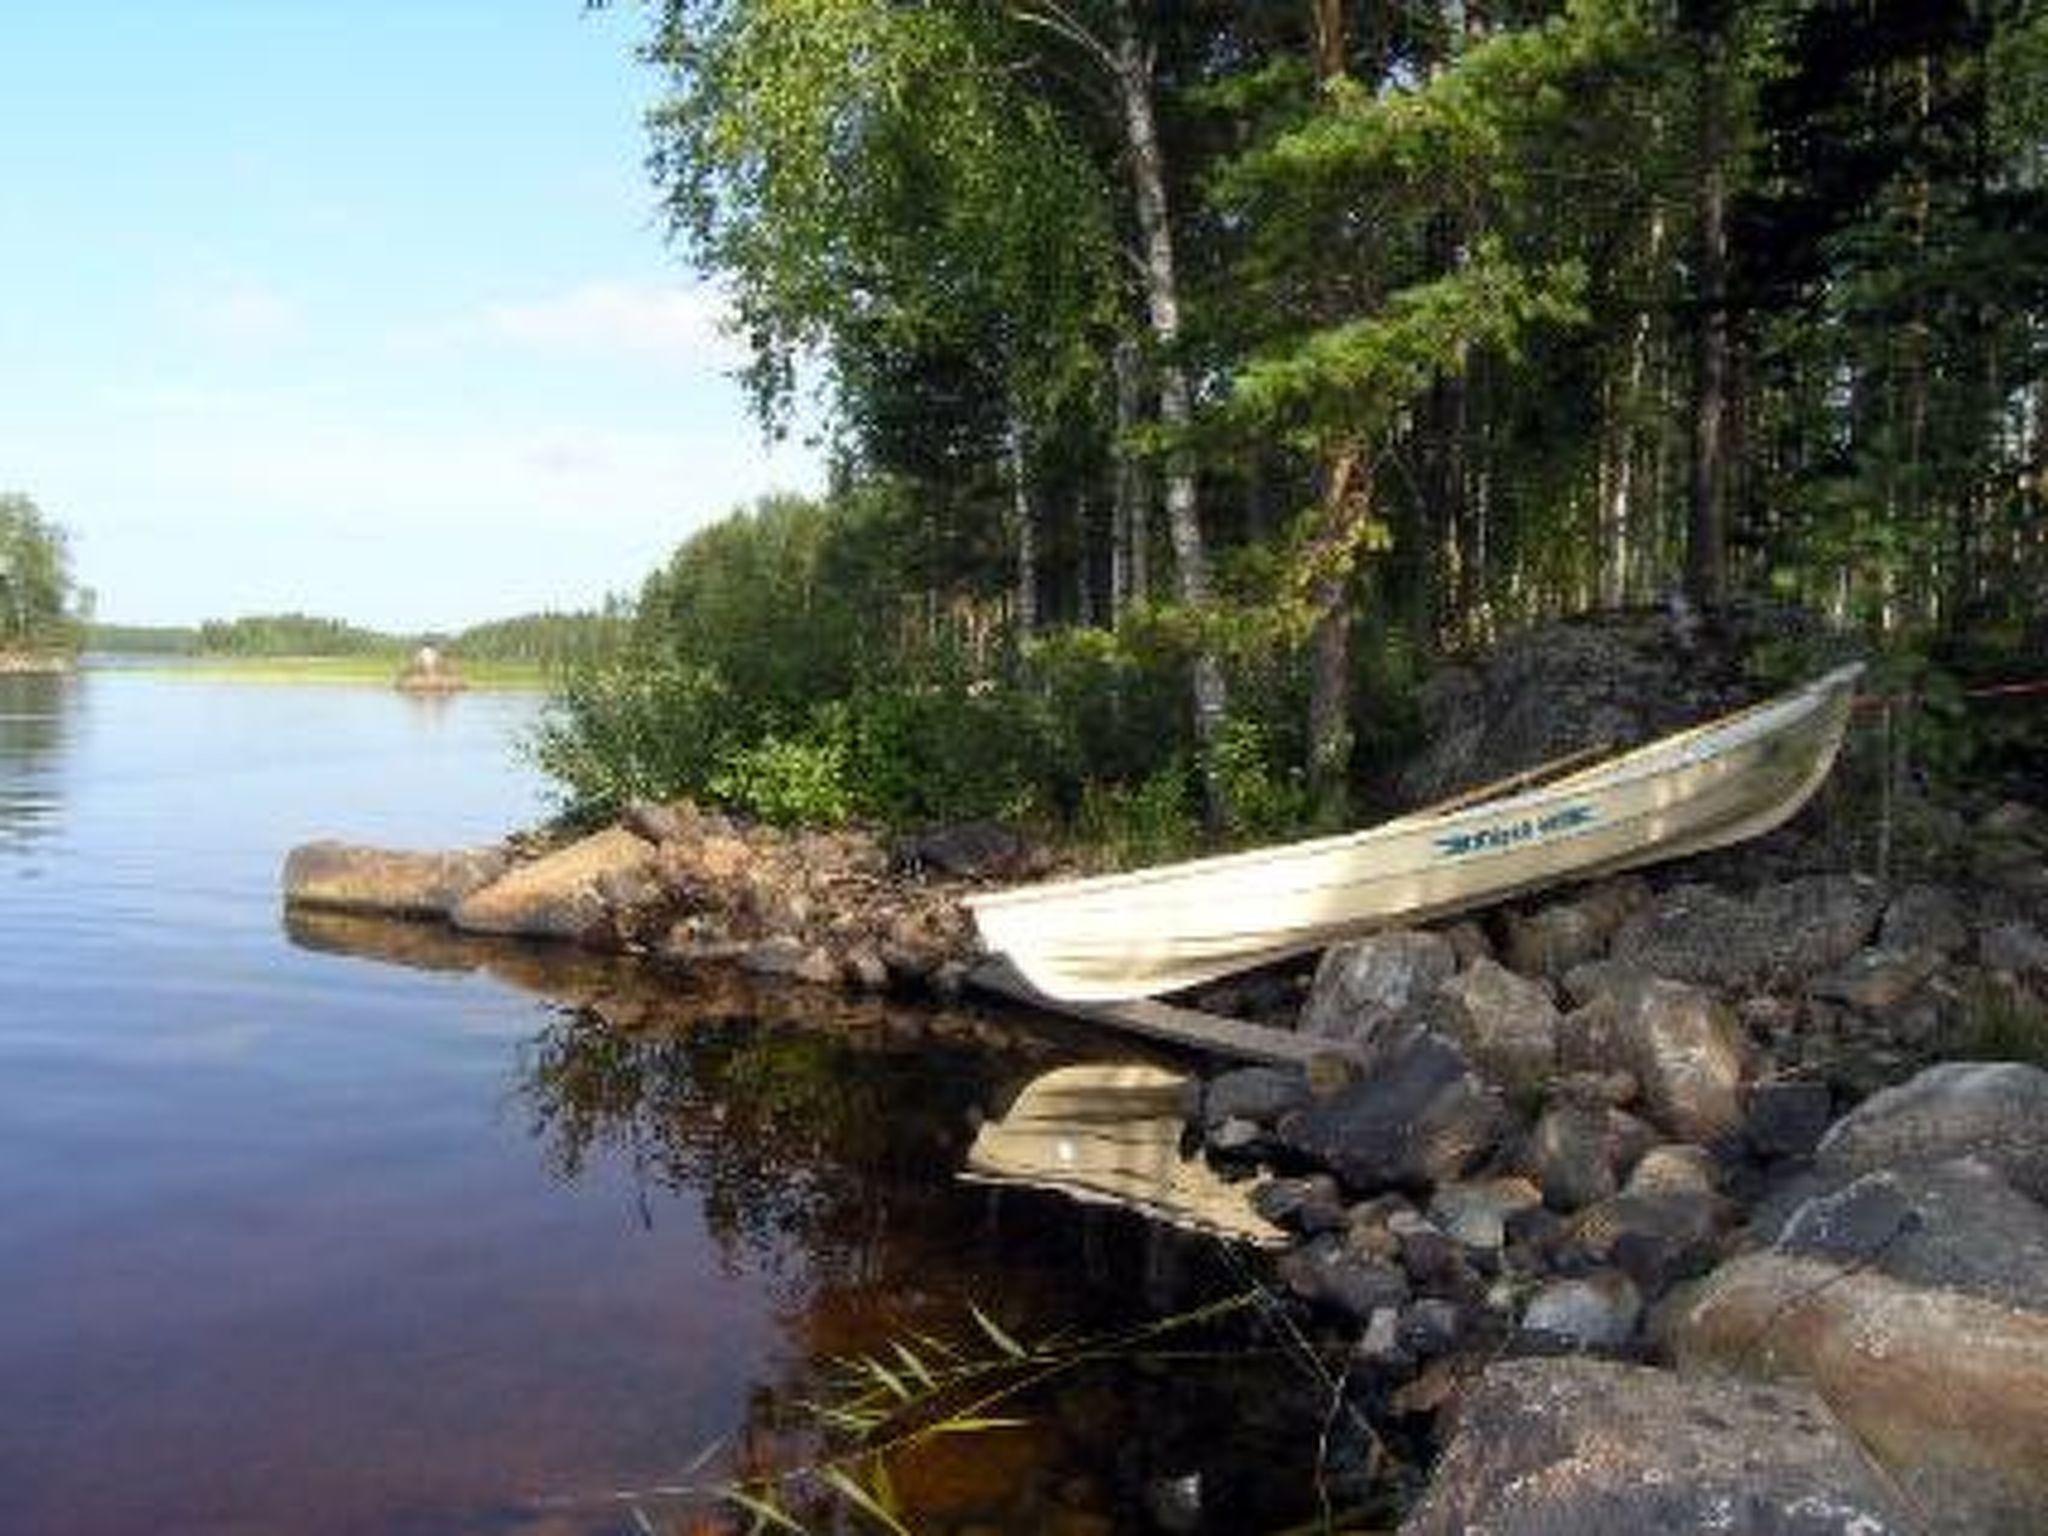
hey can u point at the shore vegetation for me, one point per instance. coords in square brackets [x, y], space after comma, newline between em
[1197, 377]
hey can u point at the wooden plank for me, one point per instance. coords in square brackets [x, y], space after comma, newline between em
[1190, 1028]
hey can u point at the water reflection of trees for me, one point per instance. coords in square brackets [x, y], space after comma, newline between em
[35, 728]
[799, 1147]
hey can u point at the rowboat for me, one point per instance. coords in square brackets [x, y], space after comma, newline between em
[1115, 937]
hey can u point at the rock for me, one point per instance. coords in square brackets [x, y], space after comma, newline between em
[1364, 987]
[1574, 1162]
[1476, 1214]
[779, 955]
[866, 968]
[819, 967]
[1380, 1344]
[1580, 1447]
[556, 896]
[1598, 1311]
[1781, 935]
[2016, 948]
[1421, 1118]
[704, 868]
[1949, 1392]
[1957, 1225]
[1557, 938]
[1506, 1023]
[1924, 917]
[1468, 941]
[1878, 980]
[1674, 1168]
[1587, 983]
[1310, 1204]
[1430, 1326]
[1327, 1273]
[1997, 1111]
[972, 850]
[1259, 1094]
[654, 821]
[1687, 1051]
[1786, 1118]
[344, 877]
[1656, 1239]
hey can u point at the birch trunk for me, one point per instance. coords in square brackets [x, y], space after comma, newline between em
[1133, 68]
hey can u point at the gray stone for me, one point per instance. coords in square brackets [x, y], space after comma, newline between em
[1308, 1204]
[557, 896]
[1786, 1118]
[1658, 1239]
[1380, 1344]
[1924, 917]
[1877, 980]
[1555, 939]
[1597, 1311]
[1420, 1119]
[1957, 1225]
[1476, 1214]
[1583, 1447]
[779, 955]
[1365, 987]
[1260, 1094]
[1781, 935]
[1686, 1049]
[1431, 1326]
[344, 877]
[1506, 1023]
[1996, 1111]
[1573, 1157]
[1673, 1168]
[1326, 1272]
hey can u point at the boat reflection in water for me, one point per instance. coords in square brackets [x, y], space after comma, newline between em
[1112, 1134]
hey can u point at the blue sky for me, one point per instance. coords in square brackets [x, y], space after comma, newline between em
[358, 307]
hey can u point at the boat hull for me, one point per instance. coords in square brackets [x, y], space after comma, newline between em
[1159, 930]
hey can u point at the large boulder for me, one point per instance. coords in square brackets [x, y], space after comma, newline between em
[1506, 1023]
[345, 877]
[1365, 987]
[1578, 1447]
[1778, 936]
[562, 895]
[1996, 1111]
[1957, 1225]
[1561, 935]
[1688, 1052]
[1949, 1391]
[1419, 1118]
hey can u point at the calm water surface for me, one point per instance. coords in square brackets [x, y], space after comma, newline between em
[356, 1228]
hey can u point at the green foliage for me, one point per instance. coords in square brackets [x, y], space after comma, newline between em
[546, 639]
[143, 639]
[37, 594]
[790, 781]
[633, 728]
[293, 634]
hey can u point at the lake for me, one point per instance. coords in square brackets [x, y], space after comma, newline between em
[361, 1228]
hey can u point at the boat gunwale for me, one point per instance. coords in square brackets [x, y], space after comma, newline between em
[1736, 729]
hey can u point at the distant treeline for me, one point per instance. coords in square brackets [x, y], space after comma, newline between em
[543, 639]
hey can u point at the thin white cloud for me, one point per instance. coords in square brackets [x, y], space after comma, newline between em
[242, 314]
[683, 324]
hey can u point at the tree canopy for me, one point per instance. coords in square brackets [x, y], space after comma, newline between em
[39, 601]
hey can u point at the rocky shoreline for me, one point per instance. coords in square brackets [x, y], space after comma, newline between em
[34, 662]
[1677, 1154]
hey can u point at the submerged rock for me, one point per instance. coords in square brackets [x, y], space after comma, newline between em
[1577, 1447]
[345, 877]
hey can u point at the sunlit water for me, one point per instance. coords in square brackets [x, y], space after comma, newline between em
[359, 1229]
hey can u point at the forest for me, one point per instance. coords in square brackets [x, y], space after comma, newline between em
[1195, 374]
[42, 608]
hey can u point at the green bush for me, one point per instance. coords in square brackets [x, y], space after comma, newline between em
[789, 781]
[631, 728]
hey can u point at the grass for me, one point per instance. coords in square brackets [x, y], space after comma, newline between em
[354, 671]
